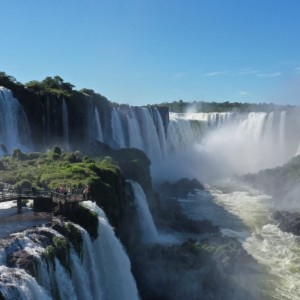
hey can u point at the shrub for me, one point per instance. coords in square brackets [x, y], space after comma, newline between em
[18, 154]
[86, 219]
[56, 150]
[24, 184]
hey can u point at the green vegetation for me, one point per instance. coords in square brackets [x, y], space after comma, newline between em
[59, 249]
[74, 235]
[53, 169]
[73, 171]
[51, 85]
[85, 218]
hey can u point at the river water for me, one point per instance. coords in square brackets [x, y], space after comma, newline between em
[11, 221]
[245, 213]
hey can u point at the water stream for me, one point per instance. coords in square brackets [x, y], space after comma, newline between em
[245, 213]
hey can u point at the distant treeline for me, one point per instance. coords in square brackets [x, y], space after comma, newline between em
[201, 106]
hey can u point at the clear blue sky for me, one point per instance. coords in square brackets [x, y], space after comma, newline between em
[149, 51]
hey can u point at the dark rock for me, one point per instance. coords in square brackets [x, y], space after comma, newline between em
[194, 226]
[24, 260]
[3, 149]
[180, 188]
[288, 221]
[195, 270]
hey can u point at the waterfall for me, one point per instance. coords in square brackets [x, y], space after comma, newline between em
[66, 289]
[116, 278]
[65, 122]
[161, 132]
[18, 284]
[149, 230]
[149, 133]
[99, 133]
[14, 127]
[282, 128]
[102, 272]
[117, 129]
[225, 144]
[134, 132]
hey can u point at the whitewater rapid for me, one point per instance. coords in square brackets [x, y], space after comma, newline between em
[245, 213]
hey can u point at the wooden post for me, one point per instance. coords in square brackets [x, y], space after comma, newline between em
[19, 205]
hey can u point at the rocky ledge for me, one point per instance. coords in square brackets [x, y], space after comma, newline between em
[288, 221]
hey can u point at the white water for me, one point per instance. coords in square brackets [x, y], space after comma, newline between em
[245, 213]
[14, 128]
[134, 131]
[148, 227]
[116, 279]
[225, 144]
[99, 133]
[17, 284]
[103, 272]
[117, 129]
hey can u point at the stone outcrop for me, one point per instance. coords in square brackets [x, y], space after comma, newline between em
[288, 221]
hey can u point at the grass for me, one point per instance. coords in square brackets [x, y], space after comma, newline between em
[52, 169]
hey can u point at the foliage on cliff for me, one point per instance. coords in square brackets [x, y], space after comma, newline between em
[53, 169]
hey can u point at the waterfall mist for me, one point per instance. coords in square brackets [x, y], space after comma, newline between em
[211, 146]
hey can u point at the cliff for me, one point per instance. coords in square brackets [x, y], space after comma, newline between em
[60, 115]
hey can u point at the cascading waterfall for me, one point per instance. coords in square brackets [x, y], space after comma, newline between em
[99, 133]
[18, 284]
[267, 136]
[117, 129]
[103, 272]
[134, 131]
[65, 124]
[233, 143]
[282, 128]
[149, 132]
[116, 278]
[161, 133]
[148, 227]
[14, 128]
[143, 130]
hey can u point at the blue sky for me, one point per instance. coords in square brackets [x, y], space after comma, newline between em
[150, 51]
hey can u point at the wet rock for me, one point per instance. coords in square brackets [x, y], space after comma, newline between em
[3, 149]
[195, 270]
[24, 260]
[288, 221]
[180, 188]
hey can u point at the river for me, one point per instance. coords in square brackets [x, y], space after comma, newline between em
[246, 213]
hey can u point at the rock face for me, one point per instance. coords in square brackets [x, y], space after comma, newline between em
[180, 188]
[288, 221]
[73, 119]
[169, 214]
[194, 270]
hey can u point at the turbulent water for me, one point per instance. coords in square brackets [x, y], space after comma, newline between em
[245, 213]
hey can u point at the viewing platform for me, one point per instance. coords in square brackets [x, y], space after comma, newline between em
[44, 200]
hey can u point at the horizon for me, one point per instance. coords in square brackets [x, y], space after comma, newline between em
[142, 52]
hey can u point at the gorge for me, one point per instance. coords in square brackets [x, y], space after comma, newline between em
[153, 239]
